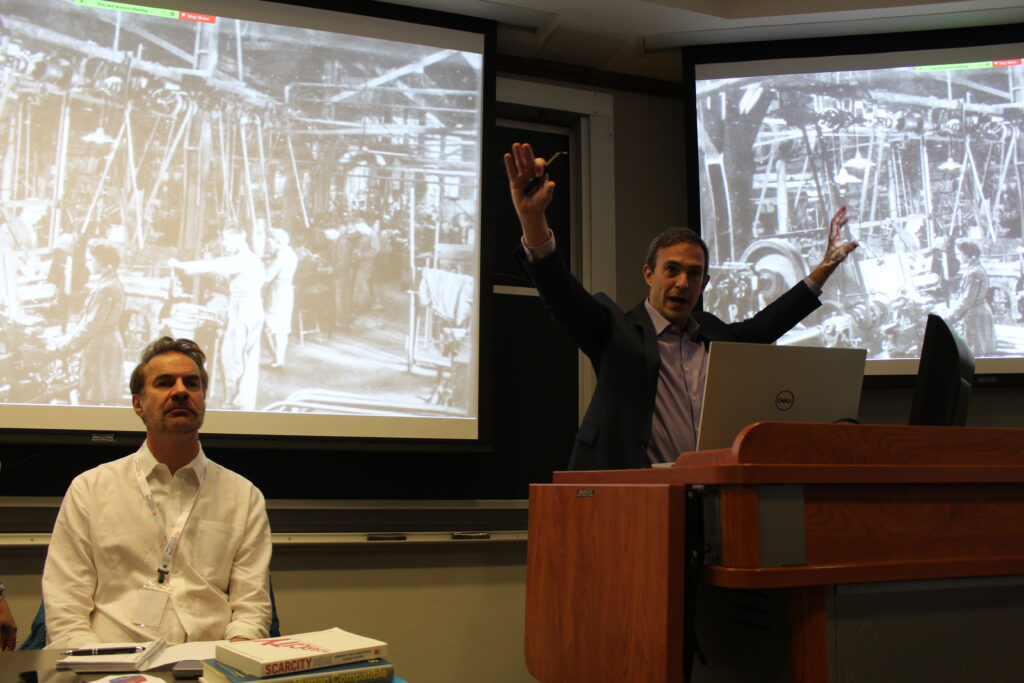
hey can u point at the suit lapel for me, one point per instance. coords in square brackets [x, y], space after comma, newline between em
[652, 356]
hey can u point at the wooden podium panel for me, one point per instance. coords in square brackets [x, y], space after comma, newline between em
[848, 524]
[872, 503]
[604, 575]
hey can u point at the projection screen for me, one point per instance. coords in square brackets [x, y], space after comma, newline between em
[295, 189]
[923, 148]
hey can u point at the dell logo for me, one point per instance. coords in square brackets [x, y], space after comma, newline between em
[784, 400]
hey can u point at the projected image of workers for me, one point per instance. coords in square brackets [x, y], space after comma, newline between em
[311, 221]
[18, 238]
[280, 274]
[356, 246]
[240, 337]
[971, 311]
[96, 336]
[920, 155]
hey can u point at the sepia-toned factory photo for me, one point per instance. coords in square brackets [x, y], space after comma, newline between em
[303, 204]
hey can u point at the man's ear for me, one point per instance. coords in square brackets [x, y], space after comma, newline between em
[648, 274]
[703, 286]
[137, 405]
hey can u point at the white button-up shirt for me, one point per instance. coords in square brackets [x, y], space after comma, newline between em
[106, 546]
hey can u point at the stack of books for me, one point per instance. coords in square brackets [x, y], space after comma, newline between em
[331, 656]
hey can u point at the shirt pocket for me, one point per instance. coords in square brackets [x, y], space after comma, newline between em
[214, 551]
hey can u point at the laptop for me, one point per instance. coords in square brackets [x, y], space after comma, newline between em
[748, 383]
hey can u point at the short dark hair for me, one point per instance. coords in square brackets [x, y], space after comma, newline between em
[969, 248]
[105, 252]
[675, 236]
[167, 345]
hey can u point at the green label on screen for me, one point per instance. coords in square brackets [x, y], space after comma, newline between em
[954, 67]
[125, 7]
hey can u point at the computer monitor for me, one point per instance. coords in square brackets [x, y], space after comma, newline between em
[944, 377]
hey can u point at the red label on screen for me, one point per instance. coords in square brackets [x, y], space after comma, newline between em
[192, 16]
[1006, 62]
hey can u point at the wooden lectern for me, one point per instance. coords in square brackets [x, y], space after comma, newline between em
[795, 506]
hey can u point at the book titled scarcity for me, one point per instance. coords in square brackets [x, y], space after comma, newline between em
[275, 656]
[370, 671]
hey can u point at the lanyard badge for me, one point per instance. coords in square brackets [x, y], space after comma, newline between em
[164, 570]
[154, 594]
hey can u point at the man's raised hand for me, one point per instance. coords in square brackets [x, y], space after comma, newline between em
[522, 166]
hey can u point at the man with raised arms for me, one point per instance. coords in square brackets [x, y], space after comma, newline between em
[163, 543]
[650, 361]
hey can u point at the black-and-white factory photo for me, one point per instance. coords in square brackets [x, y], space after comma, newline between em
[304, 204]
[927, 161]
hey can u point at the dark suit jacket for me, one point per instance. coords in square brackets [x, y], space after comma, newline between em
[623, 349]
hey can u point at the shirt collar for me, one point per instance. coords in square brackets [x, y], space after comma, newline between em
[197, 464]
[661, 323]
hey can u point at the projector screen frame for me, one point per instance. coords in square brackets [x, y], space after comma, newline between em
[991, 371]
[468, 425]
[41, 461]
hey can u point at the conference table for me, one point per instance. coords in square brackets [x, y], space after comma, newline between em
[43, 663]
[894, 547]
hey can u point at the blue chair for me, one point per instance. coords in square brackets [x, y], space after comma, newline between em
[37, 634]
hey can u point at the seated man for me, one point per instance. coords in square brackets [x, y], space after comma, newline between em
[161, 543]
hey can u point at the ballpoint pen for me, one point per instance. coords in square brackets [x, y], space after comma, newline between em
[103, 651]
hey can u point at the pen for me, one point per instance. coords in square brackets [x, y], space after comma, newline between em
[104, 651]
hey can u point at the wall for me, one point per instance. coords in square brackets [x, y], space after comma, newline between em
[650, 178]
[650, 183]
[989, 406]
[449, 613]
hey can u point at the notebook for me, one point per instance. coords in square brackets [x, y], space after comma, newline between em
[748, 383]
[153, 655]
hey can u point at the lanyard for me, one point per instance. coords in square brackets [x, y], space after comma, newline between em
[175, 535]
